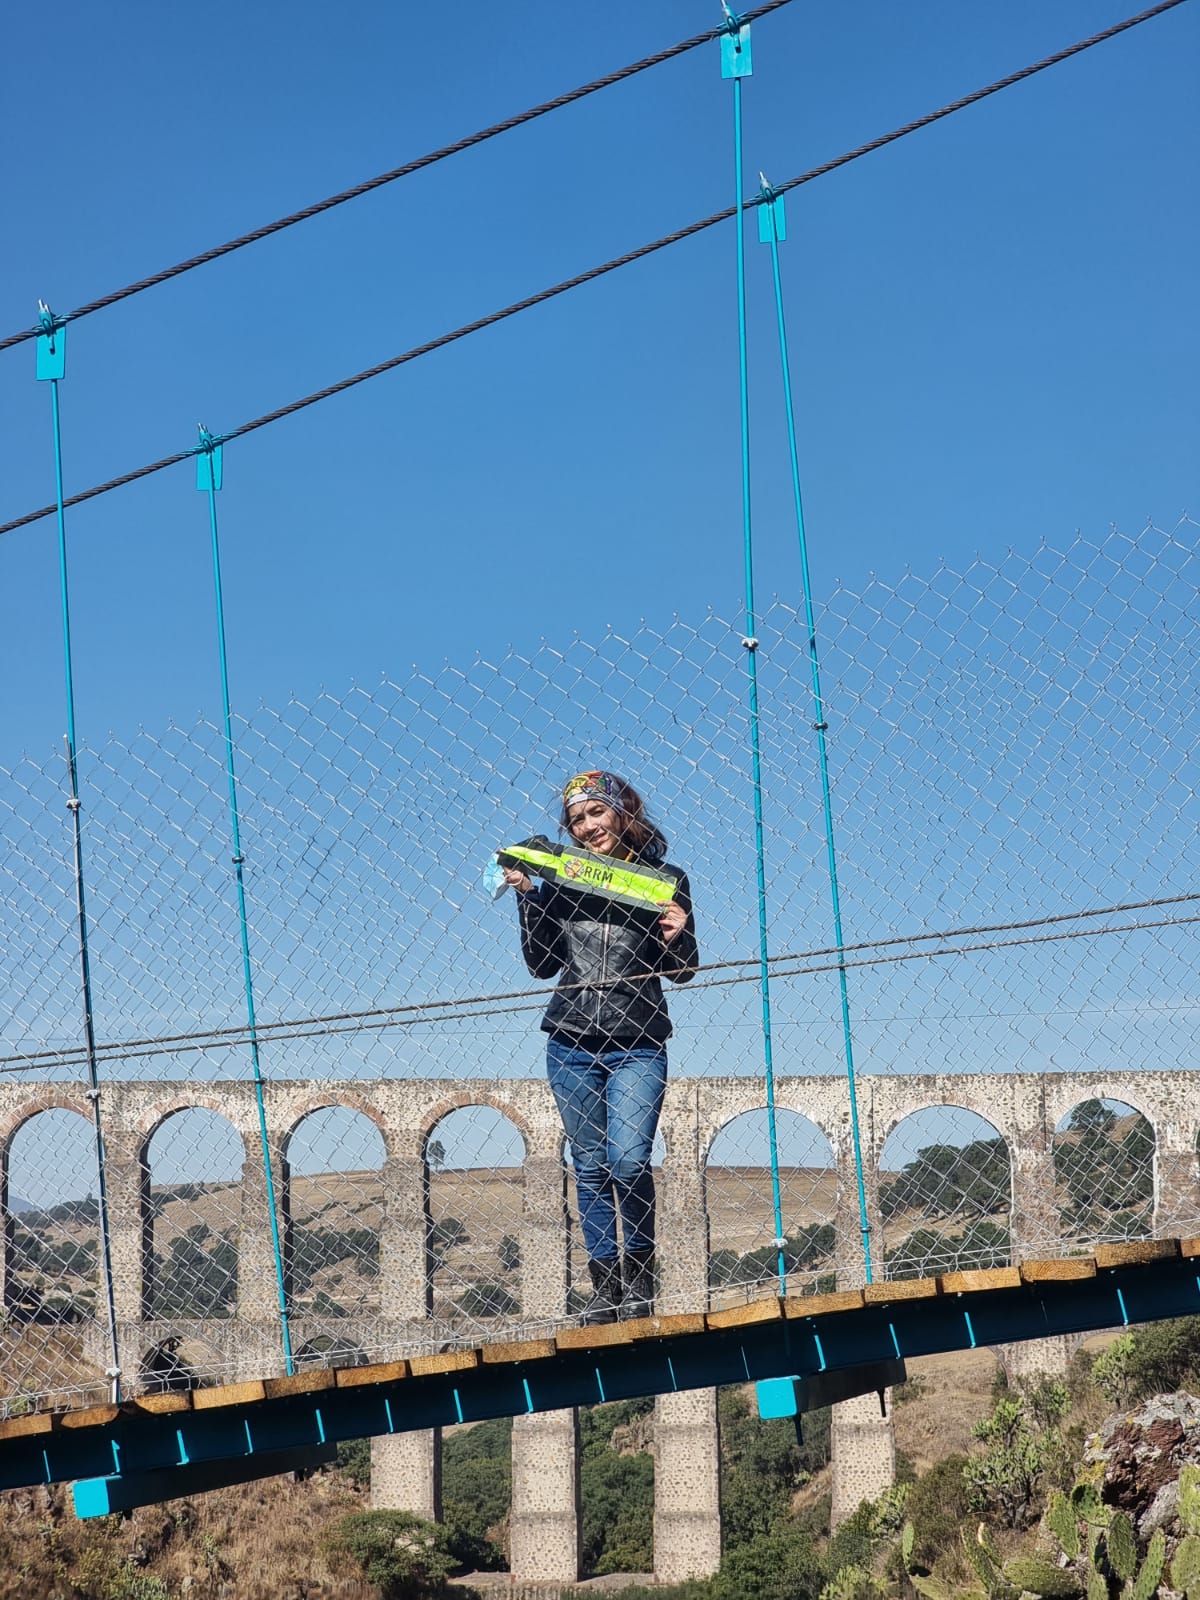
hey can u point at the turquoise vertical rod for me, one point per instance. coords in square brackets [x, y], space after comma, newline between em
[209, 457]
[820, 726]
[737, 33]
[51, 366]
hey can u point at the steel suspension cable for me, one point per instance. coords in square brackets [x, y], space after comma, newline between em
[736, 64]
[770, 227]
[381, 1021]
[209, 466]
[420, 1012]
[51, 367]
[600, 271]
[431, 158]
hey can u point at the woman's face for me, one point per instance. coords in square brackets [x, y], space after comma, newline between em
[595, 826]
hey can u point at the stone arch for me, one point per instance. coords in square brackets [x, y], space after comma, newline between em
[469, 1100]
[945, 1193]
[157, 1111]
[743, 1260]
[47, 1099]
[1105, 1159]
[331, 1199]
[192, 1158]
[474, 1152]
[48, 1190]
[326, 1098]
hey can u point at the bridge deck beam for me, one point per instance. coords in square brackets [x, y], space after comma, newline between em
[848, 1334]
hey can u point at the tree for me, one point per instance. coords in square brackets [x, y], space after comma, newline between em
[488, 1300]
[762, 1465]
[477, 1492]
[1007, 1478]
[1090, 1116]
[444, 1234]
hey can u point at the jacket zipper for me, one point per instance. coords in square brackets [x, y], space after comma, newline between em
[603, 971]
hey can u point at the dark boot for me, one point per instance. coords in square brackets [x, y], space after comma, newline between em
[606, 1284]
[639, 1284]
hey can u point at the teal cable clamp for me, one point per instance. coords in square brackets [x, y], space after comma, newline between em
[51, 368]
[209, 478]
[737, 63]
[772, 228]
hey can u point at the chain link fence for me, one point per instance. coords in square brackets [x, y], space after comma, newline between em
[1015, 820]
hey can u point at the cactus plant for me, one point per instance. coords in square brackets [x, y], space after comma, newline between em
[1063, 1523]
[936, 1589]
[1121, 1546]
[1145, 1585]
[1185, 1568]
[1033, 1576]
[982, 1555]
[1189, 1499]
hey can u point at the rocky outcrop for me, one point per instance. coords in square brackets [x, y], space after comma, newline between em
[1137, 1457]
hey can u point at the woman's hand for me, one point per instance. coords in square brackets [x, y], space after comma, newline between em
[518, 880]
[672, 921]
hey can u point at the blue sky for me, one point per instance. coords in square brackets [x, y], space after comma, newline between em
[992, 327]
[992, 322]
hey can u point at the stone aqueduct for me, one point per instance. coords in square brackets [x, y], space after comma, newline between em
[1025, 1110]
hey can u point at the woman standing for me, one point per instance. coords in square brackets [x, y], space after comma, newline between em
[608, 1026]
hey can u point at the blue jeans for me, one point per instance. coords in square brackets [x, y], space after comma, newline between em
[610, 1101]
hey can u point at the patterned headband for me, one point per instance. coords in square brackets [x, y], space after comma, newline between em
[593, 786]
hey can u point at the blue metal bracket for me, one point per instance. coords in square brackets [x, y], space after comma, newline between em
[209, 463]
[736, 60]
[772, 216]
[790, 1397]
[51, 345]
[97, 1497]
[776, 1397]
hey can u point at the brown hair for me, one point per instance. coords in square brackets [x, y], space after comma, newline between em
[640, 836]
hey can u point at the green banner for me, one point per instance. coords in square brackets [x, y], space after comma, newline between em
[592, 874]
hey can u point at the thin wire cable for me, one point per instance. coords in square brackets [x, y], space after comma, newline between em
[593, 273]
[383, 1024]
[398, 1016]
[52, 331]
[239, 862]
[820, 727]
[751, 647]
[428, 160]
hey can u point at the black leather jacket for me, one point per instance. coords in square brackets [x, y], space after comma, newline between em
[601, 949]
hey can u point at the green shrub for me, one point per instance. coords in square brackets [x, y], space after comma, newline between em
[477, 1491]
[1022, 1449]
[1165, 1357]
[858, 1541]
[938, 1506]
[354, 1461]
[617, 1492]
[618, 1513]
[761, 1466]
[775, 1566]
[476, 1500]
[488, 1300]
[406, 1557]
